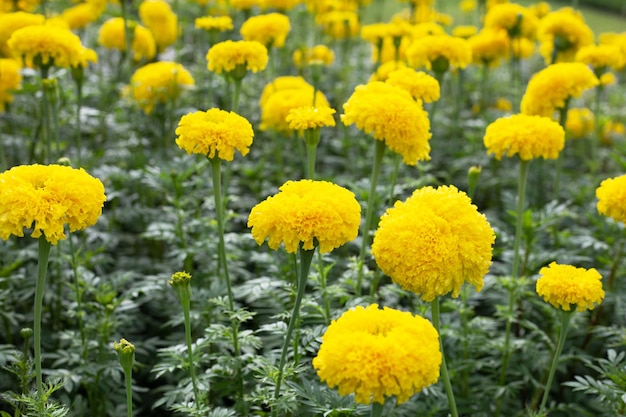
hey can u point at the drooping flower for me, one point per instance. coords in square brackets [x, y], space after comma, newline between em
[269, 29]
[10, 80]
[158, 82]
[562, 33]
[433, 242]
[525, 135]
[379, 353]
[565, 285]
[157, 15]
[420, 85]
[611, 196]
[45, 198]
[580, 122]
[306, 213]
[549, 89]
[44, 45]
[237, 57]
[214, 133]
[214, 23]
[310, 117]
[391, 115]
[112, 36]
[439, 53]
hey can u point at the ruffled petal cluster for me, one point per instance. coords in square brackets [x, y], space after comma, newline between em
[307, 212]
[391, 115]
[439, 52]
[112, 36]
[214, 133]
[562, 33]
[517, 20]
[489, 46]
[339, 24]
[45, 45]
[550, 88]
[10, 80]
[46, 198]
[433, 242]
[157, 15]
[310, 117]
[81, 15]
[317, 55]
[214, 23]
[565, 285]
[10, 22]
[528, 136]
[611, 196]
[157, 83]
[228, 55]
[420, 85]
[269, 29]
[379, 353]
[601, 57]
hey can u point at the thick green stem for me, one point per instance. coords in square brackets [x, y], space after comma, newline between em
[371, 198]
[323, 279]
[306, 256]
[236, 93]
[394, 178]
[128, 379]
[377, 409]
[311, 150]
[565, 319]
[444, 368]
[42, 270]
[79, 133]
[185, 300]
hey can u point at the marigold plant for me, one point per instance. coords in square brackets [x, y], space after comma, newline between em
[561, 34]
[227, 56]
[439, 53]
[420, 85]
[611, 196]
[45, 45]
[10, 80]
[269, 29]
[112, 36]
[157, 15]
[310, 117]
[564, 286]
[157, 83]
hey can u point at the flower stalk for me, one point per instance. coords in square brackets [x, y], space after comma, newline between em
[444, 368]
[565, 320]
[126, 355]
[42, 270]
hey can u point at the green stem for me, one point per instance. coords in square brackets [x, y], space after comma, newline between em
[377, 409]
[323, 278]
[378, 159]
[236, 94]
[311, 150]
[128, 379]
[79, 133]
[306, 256]
[185, 300]
[444, 368]
[77, 292]
[42, 270]
[127, 35]
[394, 178]
[565, 319]
[559, 161]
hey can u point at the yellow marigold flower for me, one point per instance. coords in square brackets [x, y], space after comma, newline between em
[158, 82]
[580, 122]
[80, 15]
[489, 46]
[423, 29]
[518, 21]
[525, 135]
[157, 15]
[237, 56]
[612, 131]
[377, 354]
[565, 285]
[10, 22]
[468, 6]
[317, 55]
[611, 196]
[420, 85]
[46, 198]
[433, 242]
[112, 36]
[540, 9]
[339, 24]
[439, 53]
[285, 82]
[615, 39]
[275, 107]
[282, 5]
[391, 115]
[383, 70]
[244, 4]
[503, 104]
[44, 45]
[608, 78]
[214, 133]
[562, 33]
[269, 29]
[550, 88]
[464, 31]
[523, 48]
[307, 212]
[215, 23]
[18, 5]
[310, 117]
[601, 57]
[10, 80]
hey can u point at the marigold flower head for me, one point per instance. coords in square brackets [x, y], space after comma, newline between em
[562, 33]
[214, 133]
[439, 52]
[310, 117]
[158, 82]
[317, 55]
[383, 70]
[46, 198]
[10, 80]
[269, 29]
[565, 285]
[112, 36]
[339, 24]
[10, 22]
[433, 242]
[611, 196]
[580, 122]
[615, 39]
[421, 30]
[518, 21]
[525, 135]
[285, 82]
[307, 213]
[214, 23]
[550, 88]
[80, 15]
[612, 130]
[157, 15]
[464, 31]
[608, 78]
[19, 5]
[379, 353]
[244, 4]
[489, 46]
[390, 114]
[468, 6]
[237, 57]
[540, 9]
[601, 57]
[420, 85]
[282, 5]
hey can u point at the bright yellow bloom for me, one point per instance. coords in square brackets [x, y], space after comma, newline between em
[244, 4]
[465, 32]
[489, 46]
[282, 5]
[46, 198]
[285, 82]
[550, 88]
[44, 45]
[503, 105]
[237, 56]
[157, 15]
[269, 29]
[611, 196]
[615, 39]
[309, 213]
[214, 133]
[439, 53]
[80, 15]
[421, 30]
[19, 5]
[518, 21]
[10, 80]
[608, 78]
[565, 285]
[562, 33]
[525, 135]
[10, 22]
[216, 23]
[468, 6]
[523, 47]
[391, 115]
[383, 70]
[317, 55]
[433, 242]
[379, 353]
[580, 122]
[112, 36]
[276, 107]
[601, 57]
[158, 82]
[339, 24]
[540, 9]
[420, 85]
[310, 117]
